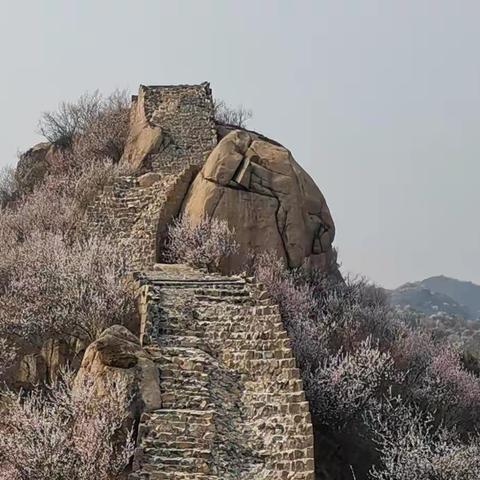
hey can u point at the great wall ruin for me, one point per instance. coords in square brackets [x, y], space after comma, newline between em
[230, 403]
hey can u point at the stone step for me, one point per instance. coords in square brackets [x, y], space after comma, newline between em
[268, 365]
[182, 425]
[166, 441]
[161, 475]
[175, 464]
[241, 344]
[184, 354]
[279, 398]
[185, 341]
[198, 336]
[221, 312]
[167, 428]
[259, 358]
[257, 409]
[302, 469]
[283, 427]
[241, 310]
[165, 330]
[270, 334]
[199, 284]
[178, 453]
[183, 274]
[221, 291]
[231, 300]
[179, 415]
[293, 454]
[241, 324]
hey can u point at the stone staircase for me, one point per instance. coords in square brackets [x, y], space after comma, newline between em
[232, 402]
[233, 406]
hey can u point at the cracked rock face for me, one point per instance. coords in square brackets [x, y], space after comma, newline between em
[270, 201]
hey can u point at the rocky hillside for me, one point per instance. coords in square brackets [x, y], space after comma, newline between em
[440, 295]
[183, 269]
[205, 370]
[466, 294]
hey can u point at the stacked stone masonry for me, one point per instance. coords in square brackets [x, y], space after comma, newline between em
[137, 216]
[185, 115]
[233, 406]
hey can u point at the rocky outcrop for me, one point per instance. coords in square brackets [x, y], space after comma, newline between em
[144, 139]
[248, 180]
[37, 364]
[271, 202]
[118, 355]
[33, 166]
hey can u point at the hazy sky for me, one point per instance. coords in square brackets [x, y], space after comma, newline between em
[378, 100]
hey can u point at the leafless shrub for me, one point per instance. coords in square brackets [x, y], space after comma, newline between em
[352, 347]
[57, 205]
[52, 287]
[296, 302]
[105, 136]
[324, 320]
[65, 433]
[226, 115]
[336, 332]
[449, 391]
[50, 208]
[7, 355]
[344, 314]
[93, 126]
[203, 244]
[90, 135]
[70, 119]
[8, 185]
[343, 385]
[353, 311]
[298, 307]
[55, 282]
[413, 446]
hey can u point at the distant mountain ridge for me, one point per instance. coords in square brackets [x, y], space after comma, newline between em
[440, 294]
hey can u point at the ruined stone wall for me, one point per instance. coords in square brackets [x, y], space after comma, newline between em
[170, 127]
[171, 132]
[232, 402]
[137, 217]
[185, 115]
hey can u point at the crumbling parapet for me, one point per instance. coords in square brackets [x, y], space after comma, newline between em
[170, 127]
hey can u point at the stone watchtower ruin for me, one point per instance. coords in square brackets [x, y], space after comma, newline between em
[171, 127]
[230, 402]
